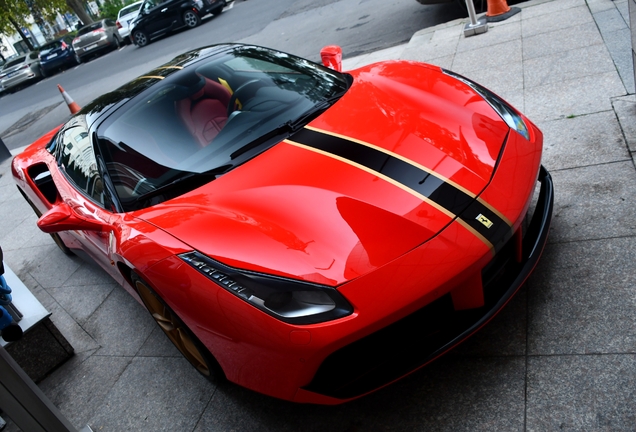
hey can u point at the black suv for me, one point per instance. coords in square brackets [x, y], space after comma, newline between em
[158, 17]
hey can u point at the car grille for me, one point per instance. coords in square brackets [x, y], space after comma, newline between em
[419, 338]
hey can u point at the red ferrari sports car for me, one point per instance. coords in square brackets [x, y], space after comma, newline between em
[309, 234]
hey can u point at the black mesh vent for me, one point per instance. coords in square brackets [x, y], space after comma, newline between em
[417, 339]
[403, 346]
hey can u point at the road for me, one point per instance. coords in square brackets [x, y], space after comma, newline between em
[299, 27]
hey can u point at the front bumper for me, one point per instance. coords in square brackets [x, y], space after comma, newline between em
[417, 339]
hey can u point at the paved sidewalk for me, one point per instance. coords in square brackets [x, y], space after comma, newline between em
[560, 356]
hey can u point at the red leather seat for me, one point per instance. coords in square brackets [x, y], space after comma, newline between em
[205, 112]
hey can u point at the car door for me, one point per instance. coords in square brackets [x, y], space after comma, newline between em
[160, 15]
[86, 194]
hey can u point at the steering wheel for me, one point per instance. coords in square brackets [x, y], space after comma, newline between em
[250, 85]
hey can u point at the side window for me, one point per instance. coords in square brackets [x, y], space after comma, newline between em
[149, 4]
[77, 159]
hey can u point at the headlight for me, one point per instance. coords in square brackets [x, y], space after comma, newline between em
[292, 301]
[507, 113]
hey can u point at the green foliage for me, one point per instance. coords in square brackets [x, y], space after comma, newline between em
[16, 12]
[111, 8]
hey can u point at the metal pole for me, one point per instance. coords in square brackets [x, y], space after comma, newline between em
[4, 151]
[632, 25]
[25, 403]
[475, 26]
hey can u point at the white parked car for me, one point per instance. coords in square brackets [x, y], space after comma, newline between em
[125, 17]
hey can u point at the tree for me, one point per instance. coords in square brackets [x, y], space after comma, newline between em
[14, 14]
[78, 7]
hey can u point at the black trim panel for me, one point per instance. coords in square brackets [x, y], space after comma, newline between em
[417, 339]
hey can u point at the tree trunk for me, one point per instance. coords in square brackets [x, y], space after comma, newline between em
[22, 35]
[78, 8]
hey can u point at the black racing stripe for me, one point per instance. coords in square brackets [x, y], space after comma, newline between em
[497, 234]
[471, 211]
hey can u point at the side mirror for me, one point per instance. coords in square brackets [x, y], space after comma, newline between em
[62, 218]
[331, 56]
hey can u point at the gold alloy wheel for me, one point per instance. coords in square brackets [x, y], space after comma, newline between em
[173, 328]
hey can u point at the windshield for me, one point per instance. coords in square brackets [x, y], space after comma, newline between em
[90, 28]
[14, 62]
[129, 9]
[45, 49]
[207, 118]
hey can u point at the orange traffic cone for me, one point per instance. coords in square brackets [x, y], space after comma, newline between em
[72, 105]
[498, 10]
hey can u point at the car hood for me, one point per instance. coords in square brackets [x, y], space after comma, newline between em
[356, 188]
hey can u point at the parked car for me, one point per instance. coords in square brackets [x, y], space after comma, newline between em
[306, 233]
[125, 17]
[57, 55]
[20, 70]
[157, 17]
[95, 38]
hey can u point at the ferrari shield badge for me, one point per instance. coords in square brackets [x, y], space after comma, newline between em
[484, 220]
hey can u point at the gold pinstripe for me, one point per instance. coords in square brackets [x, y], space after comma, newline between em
[478, 235]
[170, 67]
[451, 215]
[415, 164]
[151, 77]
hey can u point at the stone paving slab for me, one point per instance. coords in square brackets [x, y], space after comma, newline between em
[556, 20]
[569, 65]
[583, 299]
[594, 202]
[493, 56]
[563, 393]
[80, 386]
[453, 394]
[154, 394]
[590, 139]
[81, 301]
[556, 100]
[560, 356]
[504, 31]
[120, 325]
[561, 40]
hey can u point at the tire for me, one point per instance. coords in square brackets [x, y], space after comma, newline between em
[78, 59]
[60, 244]
[178, 333]
[140, 38]
[43, 73]
[191, 19]
[117, 43]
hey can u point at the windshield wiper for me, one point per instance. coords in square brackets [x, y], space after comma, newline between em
[185, 178]
[285, 128]
[289, 127]
[321, 106]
